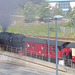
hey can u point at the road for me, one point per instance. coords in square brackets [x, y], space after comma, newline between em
[8, 69]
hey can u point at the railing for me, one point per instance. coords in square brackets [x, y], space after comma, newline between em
[37, 55]
[67, 29]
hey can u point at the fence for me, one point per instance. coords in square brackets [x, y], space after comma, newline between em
[67, 29]
[37, 55]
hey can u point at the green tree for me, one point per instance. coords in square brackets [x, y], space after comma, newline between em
[44, 11]
[29, 12]
[72, 18]
[69, 12]
[56, 11]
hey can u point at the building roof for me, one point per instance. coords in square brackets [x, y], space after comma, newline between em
[71, 45]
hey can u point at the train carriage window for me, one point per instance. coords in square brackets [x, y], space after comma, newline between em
[53, 49]
[61, 47]
[33, 46]
[42, 47]
[28, 45]
[47, 48]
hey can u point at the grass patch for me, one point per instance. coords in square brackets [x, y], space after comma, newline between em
[37, 28]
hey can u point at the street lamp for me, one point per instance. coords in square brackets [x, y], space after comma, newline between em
[48, 36]
[56, 17]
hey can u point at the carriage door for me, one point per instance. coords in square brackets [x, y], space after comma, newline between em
[53, 51]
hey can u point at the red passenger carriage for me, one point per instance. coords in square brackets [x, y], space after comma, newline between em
[72, 46]
[39, 47]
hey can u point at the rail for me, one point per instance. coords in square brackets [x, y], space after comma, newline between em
[26, 61]
[33, 54]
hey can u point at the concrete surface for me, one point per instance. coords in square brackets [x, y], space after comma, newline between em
[7, 57]
[9, 69]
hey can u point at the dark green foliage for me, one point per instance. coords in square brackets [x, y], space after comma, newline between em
[37, 8]
[56, 11]
[29, 12]
[71, 15]
[33, 8]
[52, 29]
[44, 11]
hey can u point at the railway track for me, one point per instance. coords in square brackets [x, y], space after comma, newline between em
[37, 64]
[45, 37]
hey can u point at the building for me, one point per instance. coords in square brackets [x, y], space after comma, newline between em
[64, 4]
[72, 4]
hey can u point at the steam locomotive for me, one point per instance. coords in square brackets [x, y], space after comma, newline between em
[37, 46]
[11, 40]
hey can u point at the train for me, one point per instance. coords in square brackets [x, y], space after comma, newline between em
[39, 47]
[72, 46]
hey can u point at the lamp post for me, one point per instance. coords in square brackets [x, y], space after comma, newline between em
[48, 36]
[56, 17]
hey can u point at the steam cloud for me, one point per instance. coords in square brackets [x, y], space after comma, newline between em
[6, 8]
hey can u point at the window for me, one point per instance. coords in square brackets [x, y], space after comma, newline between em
[53, 49]
[47, 48]
[28, 45]
[33, 46]
[61, 47]
[42, 47]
